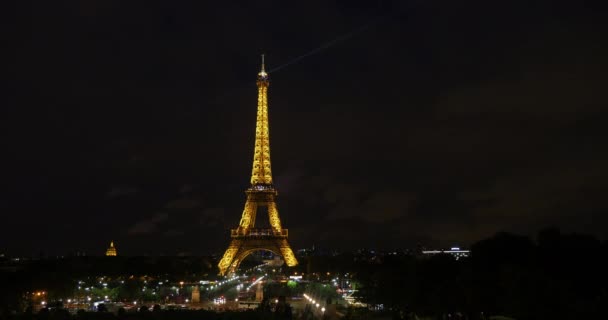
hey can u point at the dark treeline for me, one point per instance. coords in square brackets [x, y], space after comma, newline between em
[558, 276]
[82, 266]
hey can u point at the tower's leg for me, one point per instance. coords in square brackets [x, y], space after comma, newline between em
[229, 255]
[287, 253]
[273, 217]
[235, 264]
[248, 217]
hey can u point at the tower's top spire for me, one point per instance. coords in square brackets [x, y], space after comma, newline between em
[263, 74]
[261, 173]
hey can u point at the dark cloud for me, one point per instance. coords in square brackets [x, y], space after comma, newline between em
[173, 233]
[119, 191]
[183, 203]
[149, 225]
[378, 206]
[214, 217]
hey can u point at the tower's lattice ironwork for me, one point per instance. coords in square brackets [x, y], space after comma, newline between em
[246, 238]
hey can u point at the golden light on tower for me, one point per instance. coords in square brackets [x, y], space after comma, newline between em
[111, 252]
[261, 174]
[246, 238]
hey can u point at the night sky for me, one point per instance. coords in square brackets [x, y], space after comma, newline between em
[433, 122]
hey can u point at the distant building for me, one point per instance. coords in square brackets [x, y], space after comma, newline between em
[111, 252]
[455, 252]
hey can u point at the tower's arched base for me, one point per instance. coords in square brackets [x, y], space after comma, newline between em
[241, 247]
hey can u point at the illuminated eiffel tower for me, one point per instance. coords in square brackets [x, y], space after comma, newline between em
[246, 238]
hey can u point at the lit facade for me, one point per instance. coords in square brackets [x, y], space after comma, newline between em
[455, 252]
[246, 238]
[111, 252]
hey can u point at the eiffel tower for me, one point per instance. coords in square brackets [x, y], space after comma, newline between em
[246, 238]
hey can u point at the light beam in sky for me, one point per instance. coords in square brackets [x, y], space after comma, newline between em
[328, 44]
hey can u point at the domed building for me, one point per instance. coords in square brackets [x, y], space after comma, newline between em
[111, 252]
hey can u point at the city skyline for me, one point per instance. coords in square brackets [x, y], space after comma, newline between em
[394, 123]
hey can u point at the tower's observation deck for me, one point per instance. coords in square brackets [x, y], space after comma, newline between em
[261, 233]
